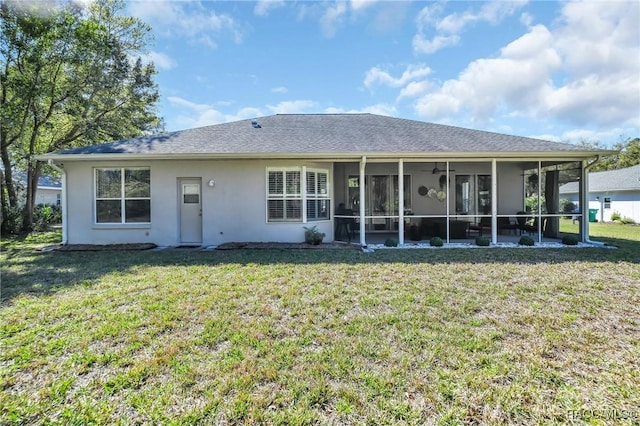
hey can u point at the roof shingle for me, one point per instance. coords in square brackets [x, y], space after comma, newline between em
[326, 134]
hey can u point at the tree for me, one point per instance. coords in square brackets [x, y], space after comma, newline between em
[627, 155]
[70, 76]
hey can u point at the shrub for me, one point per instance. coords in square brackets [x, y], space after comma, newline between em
[615, 216]
[12, 221]
[483, 241]
[570, 240]
[391, 242]
[436, 242]
[627, 220]
[45, 215]
[526, 241]
[312, 235]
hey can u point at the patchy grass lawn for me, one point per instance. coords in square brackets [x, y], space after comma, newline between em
[331, 337]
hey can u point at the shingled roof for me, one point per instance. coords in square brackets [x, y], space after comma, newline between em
[627, 179]
[325, 134]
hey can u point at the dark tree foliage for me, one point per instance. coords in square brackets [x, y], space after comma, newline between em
[70, 76]
[628, 154]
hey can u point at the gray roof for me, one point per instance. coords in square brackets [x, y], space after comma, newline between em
[43, 181]
[325, 134]
[612, 180]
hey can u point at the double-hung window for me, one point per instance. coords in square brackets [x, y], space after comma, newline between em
[284, 195]
[122, 195]
[295, 194]
[317, 195]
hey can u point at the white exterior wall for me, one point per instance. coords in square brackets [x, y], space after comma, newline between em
[233, 210]
[47, 195]
[627, 203]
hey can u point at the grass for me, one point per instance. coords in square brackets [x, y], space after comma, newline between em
[320, 337]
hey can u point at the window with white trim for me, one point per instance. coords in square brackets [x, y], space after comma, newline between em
[287, 194]
[607, 202]
[284, 195]
[122, 195]
[317, 195]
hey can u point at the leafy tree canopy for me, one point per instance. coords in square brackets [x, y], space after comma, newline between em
[628, 155]
[70, 76]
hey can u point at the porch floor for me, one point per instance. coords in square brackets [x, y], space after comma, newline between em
[381, 237]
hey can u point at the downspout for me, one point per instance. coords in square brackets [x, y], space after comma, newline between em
[363, 242]
[63, 200]
[584, 203]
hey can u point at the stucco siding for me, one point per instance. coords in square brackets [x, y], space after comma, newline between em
[232, 210]
[627, 203]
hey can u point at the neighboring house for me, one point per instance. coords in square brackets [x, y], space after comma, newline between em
[49, 190]
[610, 191]
[266, 179]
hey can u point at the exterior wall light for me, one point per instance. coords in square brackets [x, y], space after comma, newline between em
[211, 183]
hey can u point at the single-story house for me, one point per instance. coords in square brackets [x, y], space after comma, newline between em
[48, 191]
[610, 191]
[267, 179]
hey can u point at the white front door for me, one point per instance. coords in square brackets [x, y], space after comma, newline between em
[190, 211]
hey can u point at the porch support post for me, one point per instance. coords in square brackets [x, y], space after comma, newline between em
[363, 163]
[583, 200]
[448, 212]
[539, 202]
[494, 201]
[401, 201]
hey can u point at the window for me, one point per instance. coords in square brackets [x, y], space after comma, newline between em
[607, 203]
[473, 194]
[317, 195]
[123, 195]
[286, 195]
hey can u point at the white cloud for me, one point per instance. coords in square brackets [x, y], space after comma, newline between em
[422, 45]
[187, 19]
[159, 59]
[379, 109]
[292, 107]
[415, 88]
[377, 76]
[358, 5]
[332, 18]
[280, 89]
[199, 115]
[585, 70]
[264, 7]
[449, 28]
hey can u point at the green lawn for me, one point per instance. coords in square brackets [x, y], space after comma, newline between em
[447, 336]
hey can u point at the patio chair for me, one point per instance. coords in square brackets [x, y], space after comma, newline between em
[504, 224]
[525, 224]
[483, 225]
[344, 225]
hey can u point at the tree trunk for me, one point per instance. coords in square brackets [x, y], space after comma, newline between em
[33, 175]
[12, 196]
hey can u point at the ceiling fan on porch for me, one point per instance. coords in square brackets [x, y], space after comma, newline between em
[436, 170]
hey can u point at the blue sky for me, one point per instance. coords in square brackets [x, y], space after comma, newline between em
[566, 71]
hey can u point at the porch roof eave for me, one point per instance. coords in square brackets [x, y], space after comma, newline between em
[339, 156]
